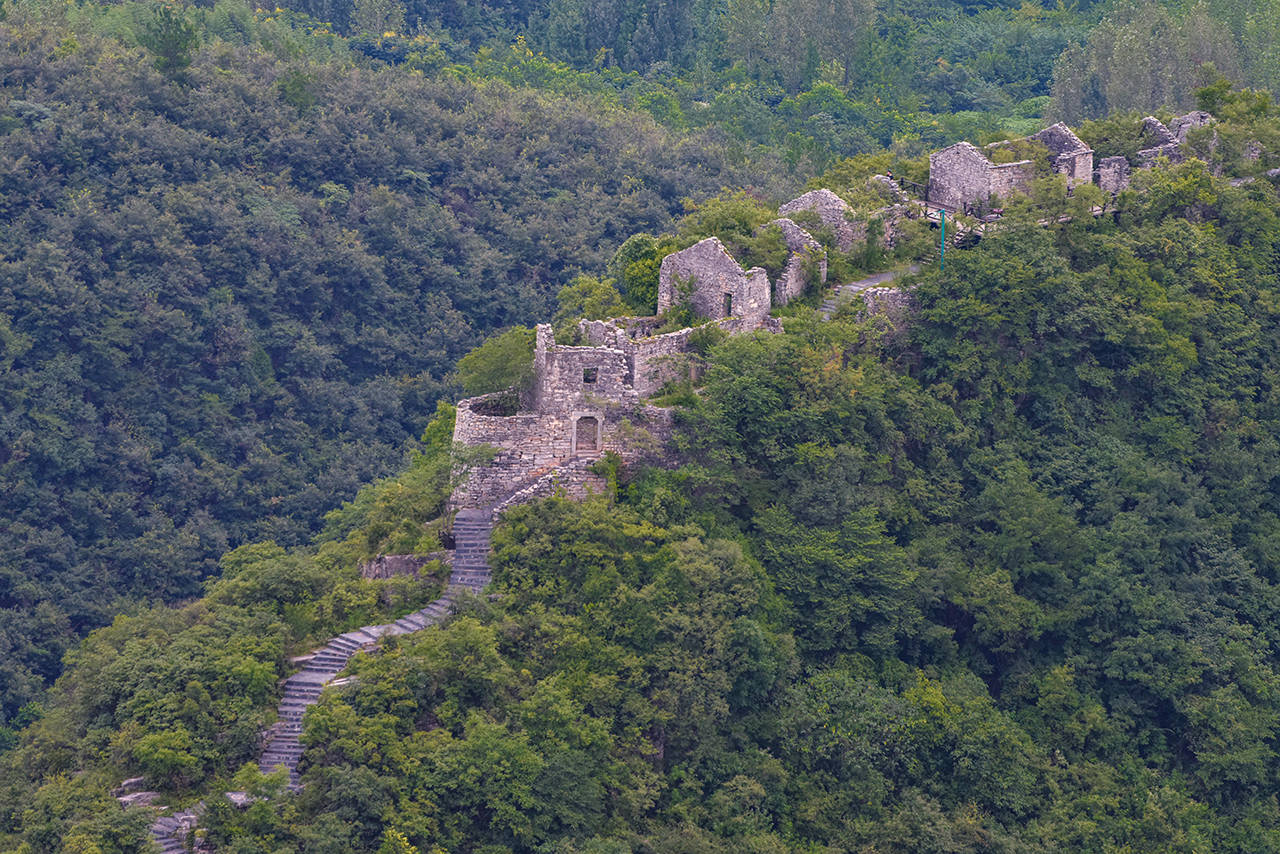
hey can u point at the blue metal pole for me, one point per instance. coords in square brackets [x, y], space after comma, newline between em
[942, 250]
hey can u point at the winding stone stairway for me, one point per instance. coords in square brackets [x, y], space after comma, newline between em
[471, 573]
[170, 831]
[471, 528]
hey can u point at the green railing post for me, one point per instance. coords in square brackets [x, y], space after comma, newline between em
[942, 246]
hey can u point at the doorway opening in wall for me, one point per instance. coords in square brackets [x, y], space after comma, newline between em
[589, 375]
[587, 434]
[728, 305]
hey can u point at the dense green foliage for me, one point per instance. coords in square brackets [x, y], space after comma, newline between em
[232, 285]
[1001, 579]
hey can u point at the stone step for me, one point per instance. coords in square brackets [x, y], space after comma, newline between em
[276, 757]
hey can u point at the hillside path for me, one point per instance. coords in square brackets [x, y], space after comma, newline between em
[828, 306]
[470, 573]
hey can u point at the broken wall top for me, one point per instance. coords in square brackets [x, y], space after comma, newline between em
[797, 239]
[1157, 133]
[1060, 140]
[966, 150]
[831, 211]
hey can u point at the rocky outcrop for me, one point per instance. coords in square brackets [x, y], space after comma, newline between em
[1179, 126]
[832, 212]
[390, 566]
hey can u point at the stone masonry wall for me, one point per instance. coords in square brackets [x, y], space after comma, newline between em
[832, 211]
[1162, 143]
[1068, 154]
[958, 175]
[655, 359]
[1010, 178]
[1180, 125]
[1113, 174]
[803, 255]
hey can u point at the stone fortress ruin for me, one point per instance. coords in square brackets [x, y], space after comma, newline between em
[592, 396]
[963, 177]
[589, 399]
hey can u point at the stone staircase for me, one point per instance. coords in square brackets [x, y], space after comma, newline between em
[471, 529]
[303, 688]
[471, 573]
[169, 832]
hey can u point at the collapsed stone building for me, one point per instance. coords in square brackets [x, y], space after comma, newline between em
[963, 176]
[832, 212]
[806, 262]
[713, 283]
[590, 398]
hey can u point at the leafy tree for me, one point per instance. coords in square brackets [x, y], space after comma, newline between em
[502, 362]
[172, 39]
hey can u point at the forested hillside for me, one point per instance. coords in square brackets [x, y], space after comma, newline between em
[231, 291]
[1002, 578]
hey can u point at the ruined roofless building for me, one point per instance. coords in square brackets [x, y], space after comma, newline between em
[716, 285]
[1069, 156]
[832, 212]
[963, 174]
[806, 259]
[587, 400]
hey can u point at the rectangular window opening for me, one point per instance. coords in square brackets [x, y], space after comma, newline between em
[589, 375]
[728, 305]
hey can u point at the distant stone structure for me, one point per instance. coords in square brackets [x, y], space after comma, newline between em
[961, 175]
[1069, 156]
[585, 401]
[1112, 174]
[833, 212]
[1160, 142]
[715, 285]
[805, 259]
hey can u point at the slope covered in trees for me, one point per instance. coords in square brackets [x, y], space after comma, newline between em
[1002, 579]
[235, 274]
